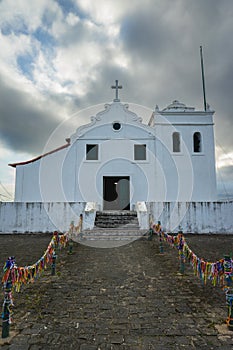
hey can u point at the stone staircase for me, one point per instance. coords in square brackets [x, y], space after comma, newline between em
[116, 219]
[114, 226]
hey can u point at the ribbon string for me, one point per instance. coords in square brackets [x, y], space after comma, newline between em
[28, 274]
[215, 272]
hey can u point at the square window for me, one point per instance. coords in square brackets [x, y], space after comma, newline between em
[139, 152]
[91, 152]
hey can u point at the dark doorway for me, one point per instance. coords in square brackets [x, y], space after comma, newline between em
[116, 193]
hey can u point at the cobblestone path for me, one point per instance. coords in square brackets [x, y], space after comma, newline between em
[127, 298]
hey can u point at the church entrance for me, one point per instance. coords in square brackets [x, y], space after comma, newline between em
[116, 193]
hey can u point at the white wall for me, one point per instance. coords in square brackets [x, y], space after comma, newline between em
[66, 175]
[193, 217]
[38, 217]
[189, 176]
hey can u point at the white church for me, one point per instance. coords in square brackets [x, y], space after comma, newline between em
[164, 171]
[117, 161]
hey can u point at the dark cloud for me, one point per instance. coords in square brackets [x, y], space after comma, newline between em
[100, 89]
[24, 125]
[145, 36]
[161, 42]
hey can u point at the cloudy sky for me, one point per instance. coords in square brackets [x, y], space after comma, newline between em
[59, 57]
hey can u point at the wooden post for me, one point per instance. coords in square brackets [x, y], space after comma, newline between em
[181, 251]
[161, 250]
[54, 257]
[70, 236]
[8, 302]
[228, 274]
[158, 230]
[81, 226]
[71, 246]
[6, 309]
[150, 234]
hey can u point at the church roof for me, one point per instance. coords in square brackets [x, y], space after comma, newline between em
[14, 165]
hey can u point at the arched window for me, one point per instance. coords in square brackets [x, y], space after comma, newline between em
[176, 141]
[197, 147]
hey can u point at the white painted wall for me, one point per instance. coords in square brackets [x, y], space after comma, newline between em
[142, 215]
[38, 217]
[66, 175]
[193, 217]
[189, 176]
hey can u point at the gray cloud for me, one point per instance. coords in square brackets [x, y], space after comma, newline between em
[24, 126]
[224, 181]
[161, 41]
[145, 36]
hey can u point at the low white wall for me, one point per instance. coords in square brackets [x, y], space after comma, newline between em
[89, 216]
[142, 214]
[38, 217]
[194, 217]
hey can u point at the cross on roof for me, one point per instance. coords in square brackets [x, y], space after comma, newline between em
[116, 87]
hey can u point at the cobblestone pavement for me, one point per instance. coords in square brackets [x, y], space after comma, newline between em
[127, 298]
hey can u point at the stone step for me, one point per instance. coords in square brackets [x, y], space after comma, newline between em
[116, 212]
[119, 217]
[116, 218]
[113, 219]
[116, 225]
[111, 234]
[110, 239]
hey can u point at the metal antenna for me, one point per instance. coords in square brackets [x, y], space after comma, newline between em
[203, 78]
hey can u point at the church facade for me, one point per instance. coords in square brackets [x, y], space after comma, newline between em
[116, 160]
[163, 170]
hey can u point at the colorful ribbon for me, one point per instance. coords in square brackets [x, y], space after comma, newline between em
[27, 274]
[204, 270]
